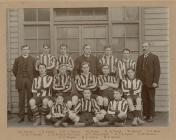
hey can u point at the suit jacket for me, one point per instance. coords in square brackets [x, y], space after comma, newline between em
[93, 63]
[151, 72]
[17, 69]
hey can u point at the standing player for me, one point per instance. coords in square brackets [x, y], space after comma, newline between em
[132, 88]
[107, 84]
[47, 59]
[110, 60]
[62, 84]
[41, 96]
[125, 63]
[86, 112]
[65, 59]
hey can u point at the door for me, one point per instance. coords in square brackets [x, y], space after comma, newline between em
[78, 35]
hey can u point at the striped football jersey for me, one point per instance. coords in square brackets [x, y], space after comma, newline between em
[48, 60]
[133, 86]
[117, 106]
[90, 81]
[62, 82]
[87, 105]
[110, 61]
[41, 86]
[123, 66]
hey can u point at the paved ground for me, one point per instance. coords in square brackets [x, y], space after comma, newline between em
[161, 119]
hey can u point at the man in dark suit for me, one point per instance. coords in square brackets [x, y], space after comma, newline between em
[89, 58]
[24, 70]
[148, 71]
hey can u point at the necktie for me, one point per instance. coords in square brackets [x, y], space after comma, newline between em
[144, 62]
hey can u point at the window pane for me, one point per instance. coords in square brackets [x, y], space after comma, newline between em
[30, 14]
[132, 44]
[67, 32]
[132, 13]
[118, 30]
[100, 11]
[61, 12]
[74, 12]
[30, 32]
[43, 14]
[118, 44]
[132, 30]
[117, 14]
[87, 12]
[100, 43]
[43, 32]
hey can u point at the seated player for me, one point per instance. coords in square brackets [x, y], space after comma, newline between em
[41, 96]
[107, 84]
[58, 112]
[62, 84]
[86, 80]
[117, 109]
[86, 112]
[132, 92]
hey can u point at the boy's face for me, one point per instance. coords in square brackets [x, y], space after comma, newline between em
[63, 50]
[59, 99]
[85, 68]
[42, 69]
[25, 51]
[130, 74]
[108, 51]
[87, 94]
[105, 70]
[46, 50]
[62, 69]
[126, 54]
[117, 95]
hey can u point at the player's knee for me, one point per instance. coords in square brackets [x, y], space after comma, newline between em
[32, 102]
[138, 104]
[122, 115]
[45, 102]
[138, 100]
[69, 103]
[75, 100]
[105, 101]
[50, 103]
[99, 100]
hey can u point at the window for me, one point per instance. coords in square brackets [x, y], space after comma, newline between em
[125, 29]
[36, 28]
[68, 14]
[34, 14]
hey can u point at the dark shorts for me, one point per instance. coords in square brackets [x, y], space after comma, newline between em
[86, 117]
[112, 118]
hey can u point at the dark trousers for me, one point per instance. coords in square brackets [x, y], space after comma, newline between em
[87, 118]
[148, 97]
[23, 92]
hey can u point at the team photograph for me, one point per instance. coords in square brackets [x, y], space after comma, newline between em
[87, 67]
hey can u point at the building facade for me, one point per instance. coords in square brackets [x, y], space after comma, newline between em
[121, 27]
